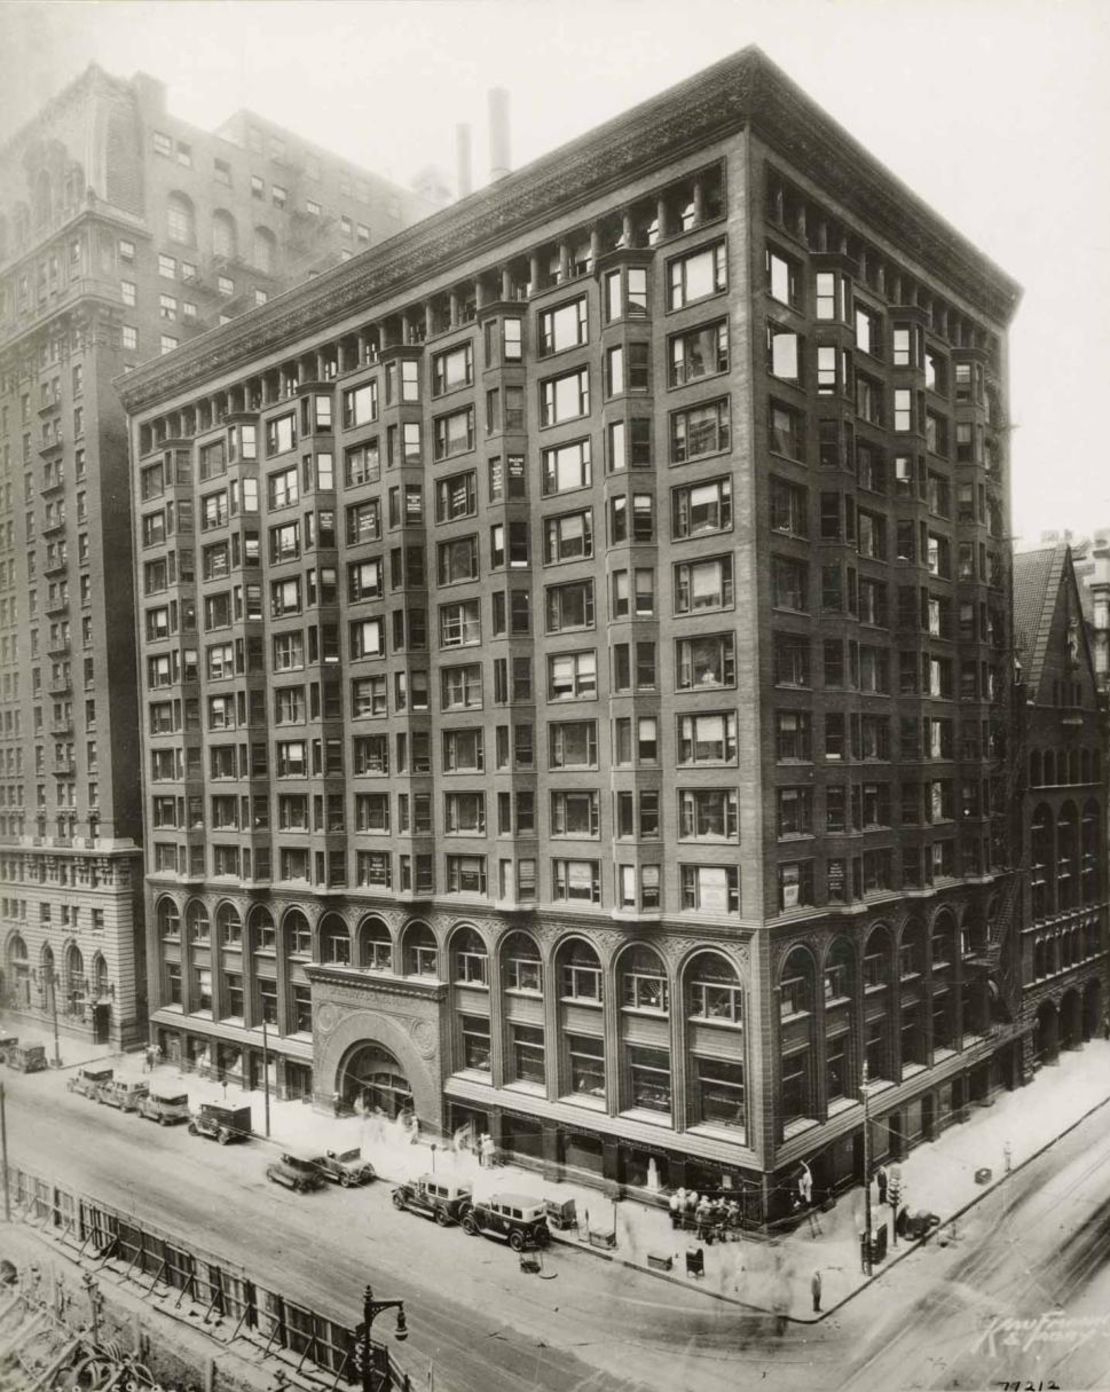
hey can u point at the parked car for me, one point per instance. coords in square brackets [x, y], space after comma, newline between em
[295, 1173]
[26, 1058]
[221, 1124]
[89, 1081]
[7, 1041]
[518, 1219]
[166, 1111]
[435, 1198]
[123, 1093]
[345, 1167]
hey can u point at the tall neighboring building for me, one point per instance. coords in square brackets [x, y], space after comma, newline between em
[1060, 733]
[595, 727]
[124, 233]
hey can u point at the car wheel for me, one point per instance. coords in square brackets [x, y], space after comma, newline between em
[161, 1121]
[345, 1180]
[442, 1217]
[470, 1227]
[193, 1128]
[398, 1203]
[516, 1241]
[223, 1136]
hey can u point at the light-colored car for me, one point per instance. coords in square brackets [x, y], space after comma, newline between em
[123, 1093]
[345, 1167]
[165, 1110]
[89, 1081]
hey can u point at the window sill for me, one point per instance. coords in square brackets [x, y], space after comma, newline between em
[649, 1117]
[585, 1100]
[798, 1127]
[841, 1104]
[526, 1088]
[737, 1135]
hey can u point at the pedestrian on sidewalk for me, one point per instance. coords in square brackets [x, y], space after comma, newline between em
[815, 1291]
[148, 1061]
[1007, 1157]
[881, 1180]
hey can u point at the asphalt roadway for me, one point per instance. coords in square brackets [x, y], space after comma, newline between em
[1035, 1250]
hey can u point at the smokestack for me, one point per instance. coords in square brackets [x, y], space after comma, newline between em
[463, 184]
[499, 161]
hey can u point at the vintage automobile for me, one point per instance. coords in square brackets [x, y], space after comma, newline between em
[518, 1219]
[7, 1041]
[166, 1111]
[123, 1093]
[295, 1173]
[435, 1198]
[89, 1081]
[222, 1124]
[345, 1167]
[26, 1058]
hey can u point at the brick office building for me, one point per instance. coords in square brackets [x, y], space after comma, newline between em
[1061, 733]
[124, 232]
[595, 725]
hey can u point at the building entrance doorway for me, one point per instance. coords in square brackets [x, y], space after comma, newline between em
[372, 1077]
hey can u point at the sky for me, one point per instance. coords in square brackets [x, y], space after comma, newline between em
[996, 112]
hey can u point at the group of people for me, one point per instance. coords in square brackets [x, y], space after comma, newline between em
[713, 1218]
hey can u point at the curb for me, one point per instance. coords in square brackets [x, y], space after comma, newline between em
[889, 1264]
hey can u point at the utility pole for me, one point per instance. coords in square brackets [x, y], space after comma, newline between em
[866, 1173]
[4, 1151]
[52, 981]
[266, 1074]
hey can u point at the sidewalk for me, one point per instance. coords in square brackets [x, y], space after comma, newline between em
[769, 1274]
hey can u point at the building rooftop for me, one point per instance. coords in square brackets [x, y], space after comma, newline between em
[744, 90]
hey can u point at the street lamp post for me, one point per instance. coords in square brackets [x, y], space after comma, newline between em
[371, 1309]
[866, 1173]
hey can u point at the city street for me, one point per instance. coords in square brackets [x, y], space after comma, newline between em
[1038, 1244]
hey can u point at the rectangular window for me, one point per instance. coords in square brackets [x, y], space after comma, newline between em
[576, 880]
[568, 538]
[565, 398]
[699, 431]
[452, 369]
[564, 327]
[454, 434]
[710, 888]
[567, 467]
[708, 660]
[701, 509]
[696, 276]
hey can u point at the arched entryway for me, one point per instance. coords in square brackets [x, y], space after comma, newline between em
[1092, 1009]
[1071, 1022]
[372, 1076]
[1046, 1034]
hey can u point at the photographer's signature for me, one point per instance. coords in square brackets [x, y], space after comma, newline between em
[1003, 1335]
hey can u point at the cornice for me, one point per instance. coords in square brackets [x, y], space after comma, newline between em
[743, 89]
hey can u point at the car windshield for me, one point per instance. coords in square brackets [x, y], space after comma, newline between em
[349, 1155]
[181, 1101]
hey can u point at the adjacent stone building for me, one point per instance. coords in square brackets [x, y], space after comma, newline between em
[1060, 727]
[581, 707]
[124, 233]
